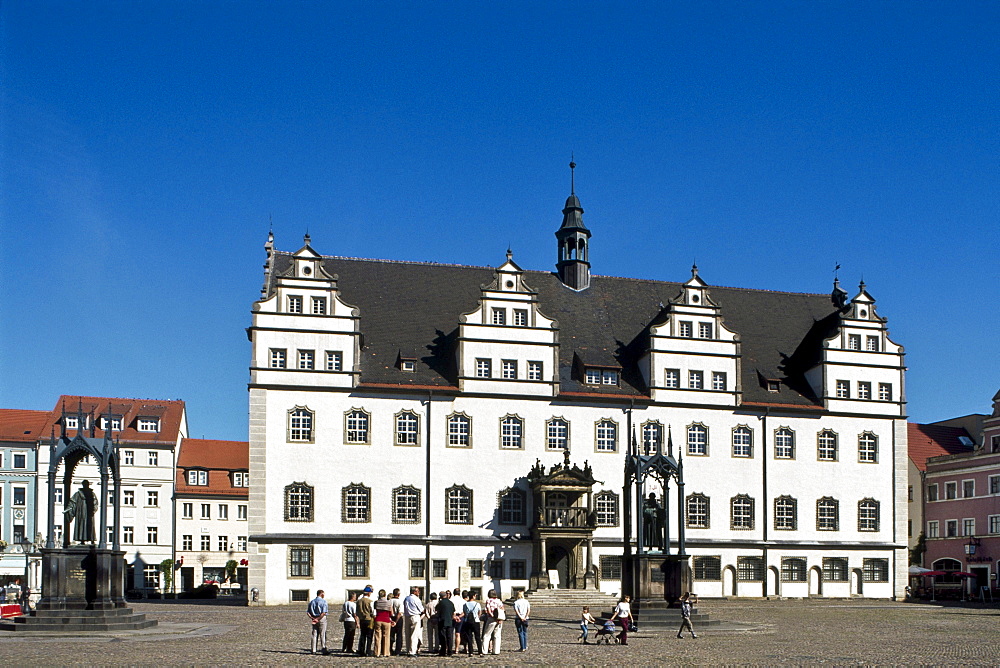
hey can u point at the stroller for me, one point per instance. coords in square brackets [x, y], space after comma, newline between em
[607, 632]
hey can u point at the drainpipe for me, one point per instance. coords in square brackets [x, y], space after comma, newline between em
[764, 506]
[427, 502]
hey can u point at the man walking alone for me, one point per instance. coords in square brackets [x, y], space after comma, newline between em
[317, 612]
[686, 602]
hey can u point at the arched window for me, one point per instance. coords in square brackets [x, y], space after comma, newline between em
[407, 428]
[868, 448]
[741, 512]
[784, 443]
[826, 446]
[697, 511]
[300, 425]
[459, 430]
[868, 515]
[827, 514]
[697, 440]
[607, 436]
[356, 426]
[406, 505]
[786, 511]
[557, 434]
[511, 502]
[652, 438]
[458, 505]
[949, 565]
[511, 432]
[742, 441]
[298, 502]
[606, 509]
[356, 504]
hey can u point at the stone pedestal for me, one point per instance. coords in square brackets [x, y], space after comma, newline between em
[659, 580]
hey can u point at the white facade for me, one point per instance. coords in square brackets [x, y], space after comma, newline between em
[211, 531]
[839, 460]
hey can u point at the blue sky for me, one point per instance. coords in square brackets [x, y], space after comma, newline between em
[146, 146]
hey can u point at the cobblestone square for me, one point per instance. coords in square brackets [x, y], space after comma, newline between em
[783, 632]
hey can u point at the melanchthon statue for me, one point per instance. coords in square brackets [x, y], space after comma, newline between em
[80, 511]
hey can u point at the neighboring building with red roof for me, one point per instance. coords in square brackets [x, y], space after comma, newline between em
[19, 432]
[210, 495]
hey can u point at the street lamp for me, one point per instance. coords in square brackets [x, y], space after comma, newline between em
[970, 547]
[26, 547]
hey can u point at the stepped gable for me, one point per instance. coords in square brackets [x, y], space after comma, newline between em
[417, 305]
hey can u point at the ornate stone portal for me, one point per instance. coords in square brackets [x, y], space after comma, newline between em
[83, 579]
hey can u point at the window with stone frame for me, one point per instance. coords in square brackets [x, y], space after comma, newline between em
[697, 511]
[932, 492]
[835, 569]
[484, 368]
[356, 426]
[885, 391]
[827, 514]
[697, 439]
[508, 369]
[874, 570]
[606, 508]
[557, 434]
[406, 505]
[686, 329]
[458, 505]
[475, 568]
[786, 512]
[871, 344]
[784, 443]
[534, 370]
[298, 502]
[511, 503]
[278, 358]
[719, 383]
[696, 380]
[750, 569]
[459, 430]
[518, 569]
[499, 316]
[854, 342]
[742, 441]
[652, 438]
[968, 489]
[520, 317]
[951, 490]
[187, 543]
[611, 566]
[439, 569]
[793, 569]
[741, 512]
[705, 330]
[356, 561]
[300, 425]
[407, 428]
[497, 569]
[307, 360]
[511, 432]
[319, 305]
[294, 304]
[864, 390]
[843, 389]
[672, 379]
[606, 436]
[334, 360]
[868, 448]
[826, 446]
[868, 515]
[707, 568]
[418, 569]
[356, 504]
[994, 482]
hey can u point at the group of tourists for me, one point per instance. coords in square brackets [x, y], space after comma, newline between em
[456, 621]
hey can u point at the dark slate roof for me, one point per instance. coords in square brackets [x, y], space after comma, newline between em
[416, 306]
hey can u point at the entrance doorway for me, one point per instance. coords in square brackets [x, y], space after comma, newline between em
[558, 560]
[187, 578]
[982, 574]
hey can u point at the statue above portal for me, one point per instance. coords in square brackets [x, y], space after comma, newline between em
[80, 511]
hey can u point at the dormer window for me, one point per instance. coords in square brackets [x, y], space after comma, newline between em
[197, 477]
[593, 377]
[408, 366]
[149, 424]
[609, 377]
[116, 423]
[600, 377]
[773, 386]
[73, 422]
[241, 479]
[499, 316]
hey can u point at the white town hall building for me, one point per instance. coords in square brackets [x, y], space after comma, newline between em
[409, 424]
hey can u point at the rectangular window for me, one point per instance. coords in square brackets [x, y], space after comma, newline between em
[672, 379]
[875, 570]
[334, 360]
[932, 492]
[704, 330]
[719, 381]
[151, 577]
[686, 330]
[696, 380]
[20, 460]
[319, 305]
[278, 358]
[520, 317]
[116, 423]
[58, 492]
[864, 390]
[475, 568]
[187, 542]
[206, 511]
[223, 511]
[784, 444]
[793, 569]
[307, 359]
[152, 535]
[843, 389]
[534, 370]
[497, 569]
[558, 435]
[969, 526]
[508, 369]
[439, 568]
[300, 559]
[607, 436]
[187, 511]
[885, 391]
[196, 477]
[355, 561]
[854, 342]
[223, 543]
[150, 424]
[128, 457]
[994, 523]
[968, 489]
[18, 534]
[750, 569]
[742, 513]
[499, 316]
[299, 595]
[951, 528]
[871, 344]
[611, 567]
[417, 567]
[593, 377]
[19, 496]
[153, 458]
[128, 535]
[294, 304]
[835, 569]
[708, 568]
[241, 479]
[909, 493]
[241, 543]
[609, 378]
[951, 490]
[241, 512]
[206, 543]
[995, 484]
[518, 569]
[932, 529]
[152, 499]
[484, 368]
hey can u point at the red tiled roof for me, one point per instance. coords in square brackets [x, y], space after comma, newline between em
[170, 412]
[22, 426]
[929, 440]
[219, 458]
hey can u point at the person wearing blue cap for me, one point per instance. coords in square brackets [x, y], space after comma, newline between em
[366, 622]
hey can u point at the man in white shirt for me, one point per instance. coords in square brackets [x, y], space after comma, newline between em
[413, 610]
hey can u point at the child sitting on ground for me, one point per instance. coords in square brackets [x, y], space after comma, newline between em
[585, 621]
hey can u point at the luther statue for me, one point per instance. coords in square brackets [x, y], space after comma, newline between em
[80, 510]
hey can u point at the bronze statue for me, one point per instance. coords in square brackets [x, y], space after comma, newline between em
[80, 510]
[653, 517]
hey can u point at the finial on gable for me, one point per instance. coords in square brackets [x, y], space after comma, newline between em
[694, 270]
[510, 254]
[572, 174]
[839, 295]
[306, 239]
